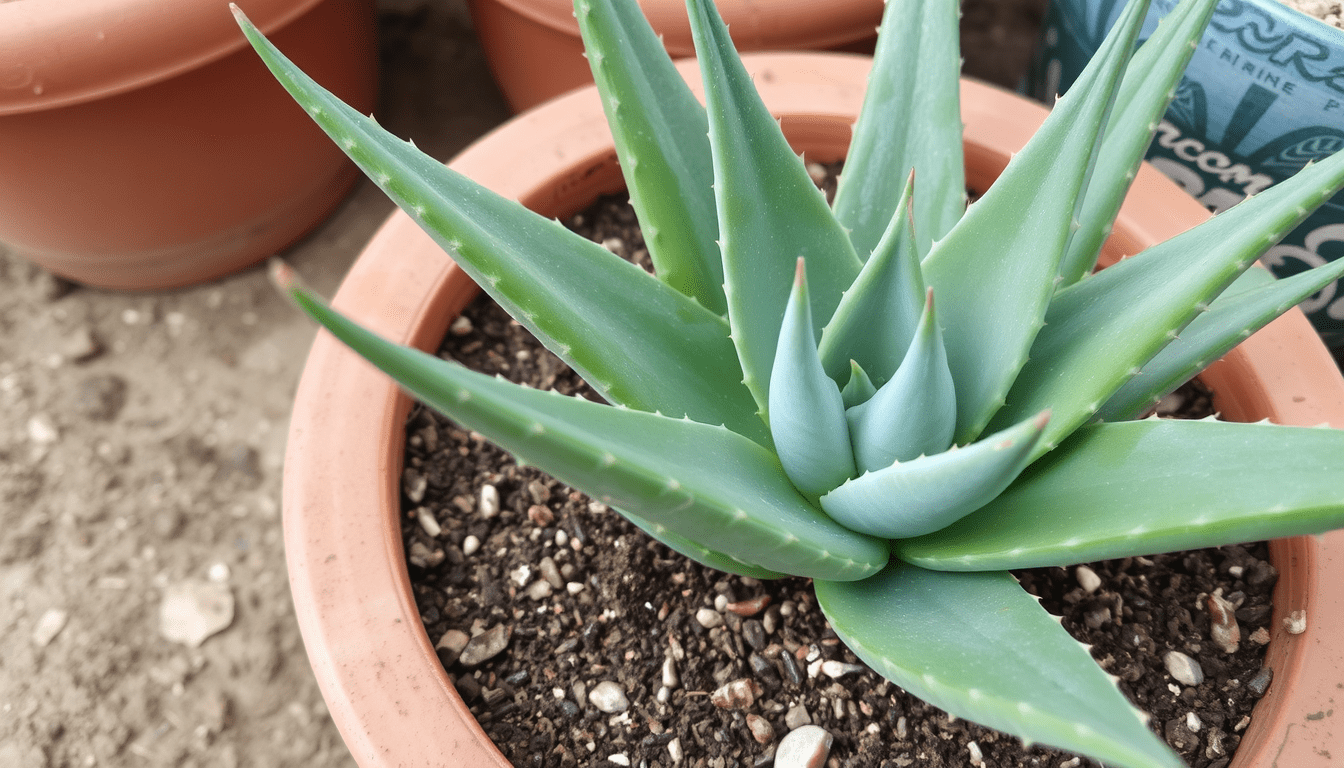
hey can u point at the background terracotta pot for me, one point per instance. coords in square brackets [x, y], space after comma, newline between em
[536, 53]
[144, 145]
[384, 685]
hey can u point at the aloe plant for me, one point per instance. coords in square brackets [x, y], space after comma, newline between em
[897, 396]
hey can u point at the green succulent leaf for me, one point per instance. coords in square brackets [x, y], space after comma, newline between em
[911, 75]
[981, 648]
[584, 303]
[859, 388]
[1144, 487]
[1148, 87]
[1101, 331]
[770, 211]
[661, 134]
[876, 319]
[1246, 306]
[807, 414]
[994, 272]
[702, 483]
[915, 412]
[916, 497]
[699, 552]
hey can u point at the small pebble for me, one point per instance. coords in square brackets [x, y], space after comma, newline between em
[1260, 636]
[1260, 683]
[539, 590]
[454, 640]
[978, 757]
[839, 669]
[797, 717]
[608, 697]
[1087, 578]
[540, 516]
[1296, 622]
[737, 694]
[619, 759]
[574, 587]
[749, 607]
[485, 646]
[550, 572]
[489, 503]
[428, 522]
[42, 430]
[218, 573]
[48, 626]
[461, 326]
[1193, 722]
[470, 545]
[193, 610]
[804, 747]
[761, 729]
[1223, 627]
[674, 751]
[670, 678]
[1185, 669]
[709, 618]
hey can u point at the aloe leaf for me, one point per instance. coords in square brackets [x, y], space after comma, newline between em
[701, 482]
[980, 647]
[859, 388]
[699, 552]
[635, 340]
[770, 211]
[1147, 88]
[1101, 331]
[912, 75]
[662, 141]
[995, 271]
[1245, 307]
[915, 412]
[916, 497]
[807, 414]
[876, 319]
[1142, 487]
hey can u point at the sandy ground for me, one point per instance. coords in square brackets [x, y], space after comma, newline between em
[141, 443]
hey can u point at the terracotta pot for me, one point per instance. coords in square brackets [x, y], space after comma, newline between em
[119, 117]
[535, 50]
[384, 685]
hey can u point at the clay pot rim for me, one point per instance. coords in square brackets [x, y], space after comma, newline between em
[54, 54]
[758, 25]
[352, 590]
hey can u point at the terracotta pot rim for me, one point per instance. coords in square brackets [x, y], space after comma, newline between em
[829, 25]
[54, 54]
[352, 591]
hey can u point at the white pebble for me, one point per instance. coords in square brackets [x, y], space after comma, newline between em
[521, 575]
[1087, 578]
[670, 678]
[50, 625]
[1185, 669]
[489, 506]
[1193, 722]
[619, 759]
[561, 538]
[470, 545]
[804, 747]
[833, 668]
[709, 618]
[1296, 622]
[539, 590]
[574, 587]
[674, 750]
[428, 522]
[218, 573]
[977, 757]
[41, 430]
[608, 697]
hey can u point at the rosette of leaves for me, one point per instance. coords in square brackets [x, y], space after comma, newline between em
[896, 395]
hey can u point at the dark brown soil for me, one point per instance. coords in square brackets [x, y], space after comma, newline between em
[620, 604]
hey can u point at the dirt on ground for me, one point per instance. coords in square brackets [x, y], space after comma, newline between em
[141, 443]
